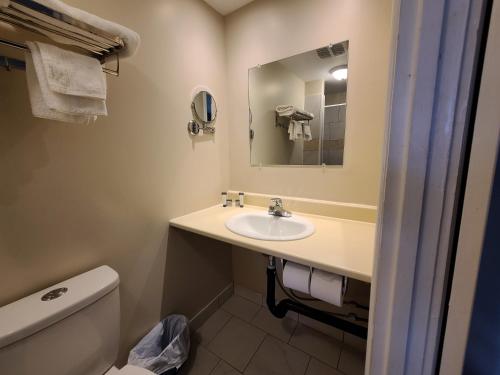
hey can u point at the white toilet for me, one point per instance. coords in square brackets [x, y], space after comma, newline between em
[72, 328]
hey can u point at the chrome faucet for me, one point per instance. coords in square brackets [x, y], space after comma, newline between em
[276, 208]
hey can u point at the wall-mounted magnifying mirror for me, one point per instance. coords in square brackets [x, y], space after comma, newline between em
[298, 108]
[204, 110]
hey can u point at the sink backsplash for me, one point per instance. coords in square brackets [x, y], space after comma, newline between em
[350, 211]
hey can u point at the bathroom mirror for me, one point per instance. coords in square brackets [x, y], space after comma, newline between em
[298, 108]
[204, 110]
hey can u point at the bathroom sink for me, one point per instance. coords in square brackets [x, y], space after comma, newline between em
[262, 226]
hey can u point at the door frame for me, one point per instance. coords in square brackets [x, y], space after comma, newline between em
[476, 202]
[436, 46]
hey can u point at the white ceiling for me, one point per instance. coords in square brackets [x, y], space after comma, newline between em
[225, 7]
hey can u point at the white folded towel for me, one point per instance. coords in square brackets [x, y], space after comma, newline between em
[29, 18]
[307, 133]
[285, 110]
[71, 73]
[38, 106]
[69, 104]
[131, 39]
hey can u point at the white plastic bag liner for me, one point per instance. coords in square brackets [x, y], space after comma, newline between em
[164, 348]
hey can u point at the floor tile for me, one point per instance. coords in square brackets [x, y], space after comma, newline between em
[211, 327]
[322, 327]
[317, 344]
[248, 294]
[279, 328]
[200, 362]
[354, 341]
[277, 358]
[237, 342]
[318, 368]
[352, 361]
[241, 307]
[224, 369]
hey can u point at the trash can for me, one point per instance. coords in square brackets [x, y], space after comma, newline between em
[165, 348]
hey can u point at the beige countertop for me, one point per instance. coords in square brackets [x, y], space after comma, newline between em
[345, 247]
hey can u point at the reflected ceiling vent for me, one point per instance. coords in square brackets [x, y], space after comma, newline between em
[332, 50]
[324, 53]
[338, 49]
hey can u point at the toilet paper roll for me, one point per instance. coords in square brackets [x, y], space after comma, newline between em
[297, 277]
[328, 287]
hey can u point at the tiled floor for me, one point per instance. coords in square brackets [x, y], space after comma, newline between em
[244, 338]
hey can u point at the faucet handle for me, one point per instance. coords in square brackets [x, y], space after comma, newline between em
[277, 202]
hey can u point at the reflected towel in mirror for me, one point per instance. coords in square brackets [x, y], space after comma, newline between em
[307, 133]
[285, 110]
[294, 130]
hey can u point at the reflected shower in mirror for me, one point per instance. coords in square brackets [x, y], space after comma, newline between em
[298, 108]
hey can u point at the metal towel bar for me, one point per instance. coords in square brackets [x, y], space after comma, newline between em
[37, 18]
[16, 45]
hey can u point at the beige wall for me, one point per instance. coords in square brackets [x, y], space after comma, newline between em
[315, 87]
[272, 85]
[269, 30]
[74, 197]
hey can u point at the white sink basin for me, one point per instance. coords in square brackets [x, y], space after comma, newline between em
[262, 226]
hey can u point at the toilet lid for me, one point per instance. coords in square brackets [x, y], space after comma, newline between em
[129, 370]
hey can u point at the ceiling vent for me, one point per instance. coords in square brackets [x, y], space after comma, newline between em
[324, 53]
[332, 50]
[338, 49]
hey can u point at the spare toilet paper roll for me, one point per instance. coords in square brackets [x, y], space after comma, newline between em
[328, 287]
[297, 277]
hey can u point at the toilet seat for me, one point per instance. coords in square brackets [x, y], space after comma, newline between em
[129, 370]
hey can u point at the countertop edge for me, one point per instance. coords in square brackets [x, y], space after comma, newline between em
[266, 250]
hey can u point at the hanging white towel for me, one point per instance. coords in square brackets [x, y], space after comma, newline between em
[38, 106]
[68, 104]
[291, 131]
[298, 130]
[72, 73]
[294, 130]
[307, 132]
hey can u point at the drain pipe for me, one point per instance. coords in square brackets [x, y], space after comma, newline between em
[280, 310]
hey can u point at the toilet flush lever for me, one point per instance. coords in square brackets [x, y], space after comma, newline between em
[53, 294]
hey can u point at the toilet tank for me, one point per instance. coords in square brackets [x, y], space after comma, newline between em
[71, 328]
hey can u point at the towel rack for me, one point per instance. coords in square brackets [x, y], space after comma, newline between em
[37, 18]
[8, 63]
[297, 115]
